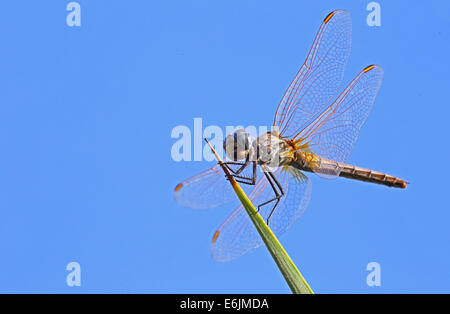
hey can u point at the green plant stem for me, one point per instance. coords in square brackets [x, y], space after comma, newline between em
[287, 267]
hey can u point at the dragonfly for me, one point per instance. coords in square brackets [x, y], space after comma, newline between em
[313, 132]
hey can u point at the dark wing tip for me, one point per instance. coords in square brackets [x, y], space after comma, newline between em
[178, 187]
[328, 17]
[331, 14]
[216, 234]
[370, 67]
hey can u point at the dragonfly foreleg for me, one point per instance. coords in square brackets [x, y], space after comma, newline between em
[279, 193]
[236, 173]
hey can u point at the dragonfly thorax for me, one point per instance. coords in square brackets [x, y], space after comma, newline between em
[268, 149]
[271, 150]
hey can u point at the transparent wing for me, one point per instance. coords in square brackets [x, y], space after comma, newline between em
[208, 189]
[237, 235]
[318, 80]
[334, 133]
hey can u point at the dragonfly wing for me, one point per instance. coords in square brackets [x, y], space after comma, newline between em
[334, 133]
[237, 235]
[208, 189]
[320, 77]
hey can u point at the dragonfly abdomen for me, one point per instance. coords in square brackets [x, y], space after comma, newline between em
[330, 167]
[362, 174]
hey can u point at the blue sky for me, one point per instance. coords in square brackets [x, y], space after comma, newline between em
[86, 173]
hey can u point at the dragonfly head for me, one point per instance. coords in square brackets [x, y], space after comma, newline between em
[237, 145]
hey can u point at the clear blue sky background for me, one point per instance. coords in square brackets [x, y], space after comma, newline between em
[86, 173]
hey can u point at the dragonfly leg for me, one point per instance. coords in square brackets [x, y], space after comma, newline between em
[239, 178]
[242, 164]
[279, 193]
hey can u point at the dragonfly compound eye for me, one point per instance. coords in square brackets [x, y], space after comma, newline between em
[237, 145]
